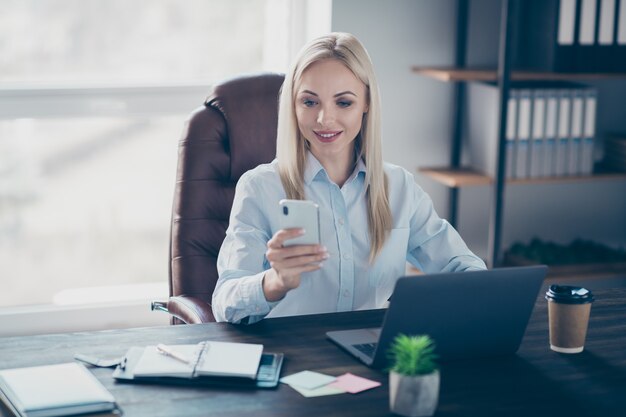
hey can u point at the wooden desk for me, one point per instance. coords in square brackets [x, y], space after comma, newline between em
[535, 382]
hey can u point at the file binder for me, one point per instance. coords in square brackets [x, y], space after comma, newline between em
[511, 132]
[587, 31]
[563, 133]
[606, 22]
[570, 36]
[576, 131]
[537, 147]
[549, 155]
[621, 23]
[587, 52]
[566, 22]
[589, 132]
[523, 134]
[565, 46]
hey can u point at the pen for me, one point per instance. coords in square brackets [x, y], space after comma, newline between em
[166, 350]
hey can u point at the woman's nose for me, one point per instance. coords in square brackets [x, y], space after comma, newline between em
[324, 116]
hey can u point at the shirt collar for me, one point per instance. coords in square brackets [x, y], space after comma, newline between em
[314, 168]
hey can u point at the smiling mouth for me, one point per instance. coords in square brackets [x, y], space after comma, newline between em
[327, 136]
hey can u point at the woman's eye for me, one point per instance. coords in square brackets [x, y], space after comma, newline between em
[308, 102]
[344, 103]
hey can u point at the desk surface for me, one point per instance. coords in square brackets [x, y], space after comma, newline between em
[535, 382]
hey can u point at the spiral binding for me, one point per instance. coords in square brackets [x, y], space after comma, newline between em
[199, 354]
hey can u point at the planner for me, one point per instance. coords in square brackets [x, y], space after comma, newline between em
[203, 359]
[141, 366]
[54, 390]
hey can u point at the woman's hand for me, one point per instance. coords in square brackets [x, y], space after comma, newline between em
[288, 263]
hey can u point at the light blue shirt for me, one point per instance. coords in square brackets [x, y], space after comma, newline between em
[346, 280]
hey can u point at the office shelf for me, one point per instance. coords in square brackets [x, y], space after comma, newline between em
[467, 177]
[484, 74]
[456, 177]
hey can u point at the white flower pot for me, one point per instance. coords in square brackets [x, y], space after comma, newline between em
[413, 396]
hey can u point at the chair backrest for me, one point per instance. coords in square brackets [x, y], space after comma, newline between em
[232, 133]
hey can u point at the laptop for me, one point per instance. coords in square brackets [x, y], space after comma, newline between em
[467, 314]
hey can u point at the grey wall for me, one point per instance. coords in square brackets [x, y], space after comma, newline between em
[417, 122]
[399, 34]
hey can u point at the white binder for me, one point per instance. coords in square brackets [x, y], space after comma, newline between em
[576, 133]
[538, 129]
[621, 24]
[563, 133]
[523, 133]
[567, 21]
[587, 29]
[549, 149]
[607, 22]
[589, 132]
[511, 131]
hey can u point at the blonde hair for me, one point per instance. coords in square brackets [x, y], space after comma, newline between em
[291, 146]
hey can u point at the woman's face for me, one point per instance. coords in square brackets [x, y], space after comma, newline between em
[330, 103]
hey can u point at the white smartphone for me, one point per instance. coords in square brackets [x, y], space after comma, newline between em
[303, 214]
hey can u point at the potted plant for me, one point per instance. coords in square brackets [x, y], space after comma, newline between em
[413, 376]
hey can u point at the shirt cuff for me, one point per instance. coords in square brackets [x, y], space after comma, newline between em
[259, 306]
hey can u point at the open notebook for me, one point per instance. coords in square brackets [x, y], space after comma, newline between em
[203, 359]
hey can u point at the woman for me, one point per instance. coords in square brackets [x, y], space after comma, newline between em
[373, 217]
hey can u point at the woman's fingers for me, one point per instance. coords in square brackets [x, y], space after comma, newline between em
[294, 251]
[279, 238]
[290, 263]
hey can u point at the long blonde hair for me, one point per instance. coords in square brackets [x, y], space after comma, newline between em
[291, 146]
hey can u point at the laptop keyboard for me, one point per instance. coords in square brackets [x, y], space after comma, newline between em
[367, 348]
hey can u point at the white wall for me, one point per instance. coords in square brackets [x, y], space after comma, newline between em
[417, 122]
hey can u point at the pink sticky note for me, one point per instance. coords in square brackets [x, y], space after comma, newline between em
[353, 384]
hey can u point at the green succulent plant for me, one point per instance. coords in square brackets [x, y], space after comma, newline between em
[412, 355]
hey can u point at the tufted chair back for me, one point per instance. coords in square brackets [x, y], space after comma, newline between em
[232, 133]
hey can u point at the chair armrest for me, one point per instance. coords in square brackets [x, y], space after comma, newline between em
[188, 310]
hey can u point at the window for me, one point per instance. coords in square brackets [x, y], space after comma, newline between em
[93, 97]
[137, 42]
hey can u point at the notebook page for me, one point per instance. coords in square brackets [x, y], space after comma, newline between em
[230, 359]
[154, 363]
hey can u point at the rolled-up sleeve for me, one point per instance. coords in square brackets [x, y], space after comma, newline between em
[434, 245]
[241, 264]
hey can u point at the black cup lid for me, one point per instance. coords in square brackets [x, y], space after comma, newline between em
[569, 295]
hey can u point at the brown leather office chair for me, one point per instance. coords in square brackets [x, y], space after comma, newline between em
[232, 133]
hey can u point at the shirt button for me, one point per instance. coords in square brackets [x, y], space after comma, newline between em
[346, 256]
[346, 293]
[341, 222]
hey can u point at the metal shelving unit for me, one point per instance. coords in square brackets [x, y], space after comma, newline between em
[455, 176]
